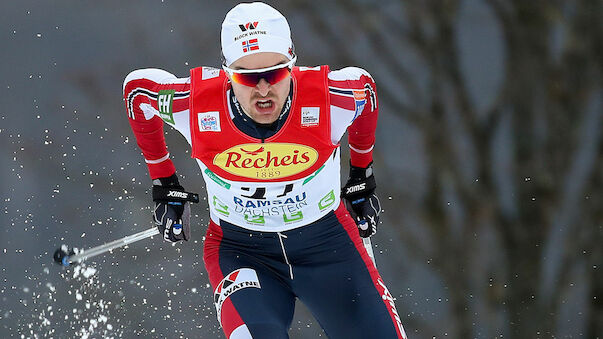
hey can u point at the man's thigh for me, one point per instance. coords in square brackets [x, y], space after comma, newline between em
[343, 289]
[251, 300]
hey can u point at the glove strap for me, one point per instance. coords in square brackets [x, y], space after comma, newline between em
[171, 181]
[359, 173]
[359, 188]
[161, 193]
[169, 189]
[361, 183]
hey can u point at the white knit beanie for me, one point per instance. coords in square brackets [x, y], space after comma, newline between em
[251, 28]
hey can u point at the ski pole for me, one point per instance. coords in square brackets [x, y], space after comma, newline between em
[65, 256]
[369, 248]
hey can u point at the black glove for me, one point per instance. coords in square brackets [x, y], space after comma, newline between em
[360, 200]
[172, 211]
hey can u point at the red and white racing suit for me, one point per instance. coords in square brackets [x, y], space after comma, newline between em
[278, 230]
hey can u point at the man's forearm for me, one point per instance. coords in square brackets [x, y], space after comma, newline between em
[361, 138]
[150, 139]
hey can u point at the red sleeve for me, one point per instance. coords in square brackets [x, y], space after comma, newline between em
[139, 90]
[361, 134]
[353, 90]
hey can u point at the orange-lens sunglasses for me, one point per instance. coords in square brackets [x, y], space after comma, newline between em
[251, 77]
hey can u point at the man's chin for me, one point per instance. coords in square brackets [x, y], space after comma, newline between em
[265, 120]
[265, 117]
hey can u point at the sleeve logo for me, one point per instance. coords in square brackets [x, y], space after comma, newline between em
[164, 104]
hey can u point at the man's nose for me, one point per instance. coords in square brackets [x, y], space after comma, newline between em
[263, 87]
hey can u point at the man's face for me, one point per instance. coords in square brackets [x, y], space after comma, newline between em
[264, 102]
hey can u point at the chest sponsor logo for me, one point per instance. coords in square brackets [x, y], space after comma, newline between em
[165, 99]
[326, 201]
[255, 219]
[293, 218]
[270, 207]
[266, 161]
[310, 116]
[209, 121]
[217, 179]
[209, 73]
[305, 68]
[220, 206]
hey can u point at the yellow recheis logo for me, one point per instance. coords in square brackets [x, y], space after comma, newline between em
[266, 161]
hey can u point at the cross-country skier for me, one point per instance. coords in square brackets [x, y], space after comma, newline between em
[266, 134]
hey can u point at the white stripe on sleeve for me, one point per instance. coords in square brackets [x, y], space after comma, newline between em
[362, 151]
[156, 161]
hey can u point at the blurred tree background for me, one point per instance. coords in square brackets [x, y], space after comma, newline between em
[489, 161]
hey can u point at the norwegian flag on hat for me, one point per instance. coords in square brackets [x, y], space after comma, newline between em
[250, 45]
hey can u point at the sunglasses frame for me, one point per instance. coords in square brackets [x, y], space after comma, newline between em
[289, 65]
